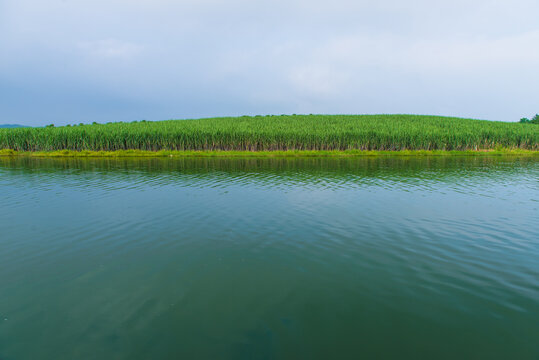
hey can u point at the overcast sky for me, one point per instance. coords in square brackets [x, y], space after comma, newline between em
[71, 61]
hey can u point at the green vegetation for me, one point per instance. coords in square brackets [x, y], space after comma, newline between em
[534, 120]
[281, 133]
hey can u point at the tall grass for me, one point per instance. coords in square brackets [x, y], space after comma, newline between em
[297, 132]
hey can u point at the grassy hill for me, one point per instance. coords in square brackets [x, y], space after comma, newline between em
[271, 133]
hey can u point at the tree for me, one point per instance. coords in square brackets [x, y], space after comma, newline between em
[534, 120]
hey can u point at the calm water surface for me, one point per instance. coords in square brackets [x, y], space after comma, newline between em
[397, 258]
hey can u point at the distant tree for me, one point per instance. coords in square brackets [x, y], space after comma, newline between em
[534, 120]
[50, 125]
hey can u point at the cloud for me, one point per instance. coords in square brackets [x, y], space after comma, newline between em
[211, 57]
[110, 49]
[455, 55]
[317, 79]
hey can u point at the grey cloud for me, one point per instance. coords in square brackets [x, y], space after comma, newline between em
[126, 60]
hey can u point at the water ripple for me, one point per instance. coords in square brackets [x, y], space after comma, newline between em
[129, 255]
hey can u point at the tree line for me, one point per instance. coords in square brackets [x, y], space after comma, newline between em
[534, 120]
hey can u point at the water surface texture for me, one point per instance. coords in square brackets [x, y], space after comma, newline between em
[397, 258]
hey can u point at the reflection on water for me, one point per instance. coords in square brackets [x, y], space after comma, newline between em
[399, 257]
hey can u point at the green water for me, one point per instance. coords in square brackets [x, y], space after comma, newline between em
[387, 258]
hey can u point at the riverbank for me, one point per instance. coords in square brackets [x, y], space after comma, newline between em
[266, 154]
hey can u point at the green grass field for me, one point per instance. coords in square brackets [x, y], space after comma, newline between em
[281, 133]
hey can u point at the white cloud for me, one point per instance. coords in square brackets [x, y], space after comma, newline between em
[110, 49]
[316, 79]
[467, 54]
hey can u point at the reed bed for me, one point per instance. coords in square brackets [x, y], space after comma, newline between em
[281, 133]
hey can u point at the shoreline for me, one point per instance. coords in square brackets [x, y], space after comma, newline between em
[264, 154]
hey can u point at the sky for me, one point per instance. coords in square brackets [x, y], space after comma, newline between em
[73, 61]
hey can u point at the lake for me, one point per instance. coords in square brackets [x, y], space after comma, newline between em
[316, 258]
